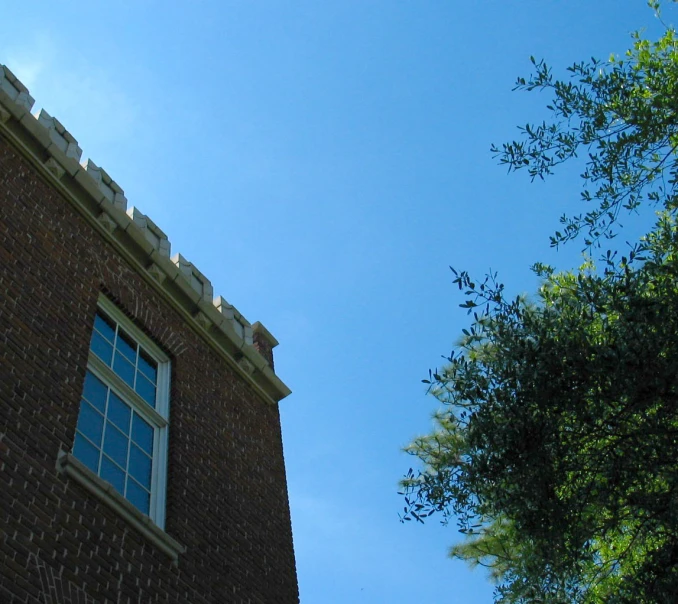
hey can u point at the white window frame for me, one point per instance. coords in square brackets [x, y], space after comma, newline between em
[158, 418]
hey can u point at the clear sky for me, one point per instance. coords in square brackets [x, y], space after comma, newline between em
[323, 162]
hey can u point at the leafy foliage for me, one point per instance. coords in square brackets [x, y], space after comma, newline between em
[555, 449]
[622, 114]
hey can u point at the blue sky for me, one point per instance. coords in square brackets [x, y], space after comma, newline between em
[323, 163]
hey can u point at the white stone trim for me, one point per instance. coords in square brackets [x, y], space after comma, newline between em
[151, 231]
[69, 465]
[157, 273]
[90, 190]
[55, 168]
[107, 185]
[13, 88]
[258, 328]
[246, 365]
[203, 320]
[198, 281]
[240, 324]
[108, 223]
[60, 136]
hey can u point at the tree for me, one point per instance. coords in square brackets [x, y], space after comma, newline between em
[556, 446]
[622, 113]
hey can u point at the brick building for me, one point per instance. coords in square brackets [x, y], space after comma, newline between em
[140, 447]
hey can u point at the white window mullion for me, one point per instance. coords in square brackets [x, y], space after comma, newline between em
[156, 417]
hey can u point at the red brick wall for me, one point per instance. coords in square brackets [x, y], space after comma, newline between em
[264, 348]
[226, 497]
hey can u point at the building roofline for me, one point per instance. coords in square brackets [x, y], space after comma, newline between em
[44, 141]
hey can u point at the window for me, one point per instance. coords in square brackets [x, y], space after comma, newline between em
[122, 427]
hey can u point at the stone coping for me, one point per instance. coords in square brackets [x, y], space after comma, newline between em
[55, 152]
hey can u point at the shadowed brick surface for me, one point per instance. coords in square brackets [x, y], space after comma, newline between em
[227, 497]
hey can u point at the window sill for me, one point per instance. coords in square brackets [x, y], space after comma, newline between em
[75, 469]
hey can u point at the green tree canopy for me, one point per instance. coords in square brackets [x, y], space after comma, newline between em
[557, 445]
[620, 115]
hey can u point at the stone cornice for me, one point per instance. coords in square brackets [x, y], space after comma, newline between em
[44, 141]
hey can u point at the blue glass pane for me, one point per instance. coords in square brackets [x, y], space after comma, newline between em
[91, 423]
[140, 466]
[148, 366]
[119, 412]
[138, 496]
[115, 444]
[142, 434]
[105, 326]
[124, 369]
[86, 453]
[101, 348]
[95, 391]
[113, 474]
[145, 389]
[126, 346]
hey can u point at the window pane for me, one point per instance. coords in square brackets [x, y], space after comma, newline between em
[138, 496]
[124, 369]
[126, 346]
[115, 444]
[90, 423]
[105, 326]
[140, 466]
[146, 390]
[119, 412]
[142, 434]
[115, 437]
[95, 391]
[101, 348]
[148, 366]
[86, 453]
[113, 474]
